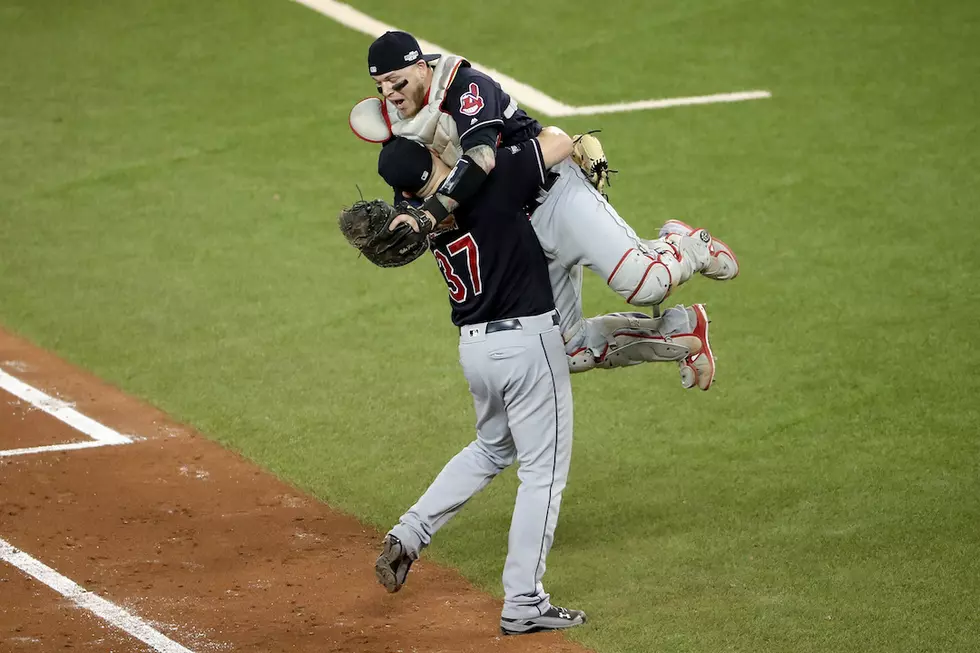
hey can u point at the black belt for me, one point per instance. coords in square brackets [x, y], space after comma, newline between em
[549, 181]
[512, 324]
[542, 193]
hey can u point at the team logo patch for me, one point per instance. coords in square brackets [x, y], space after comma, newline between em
[705, 236]
[470, 103]
[412, 56]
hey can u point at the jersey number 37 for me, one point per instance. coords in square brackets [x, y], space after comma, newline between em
[458, 288]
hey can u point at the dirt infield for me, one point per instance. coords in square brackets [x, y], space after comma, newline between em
[212, 552]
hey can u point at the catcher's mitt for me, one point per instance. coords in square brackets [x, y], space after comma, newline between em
[365, 226]
[588, 154]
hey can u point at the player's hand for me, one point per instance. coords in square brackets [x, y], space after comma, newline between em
[404, 219]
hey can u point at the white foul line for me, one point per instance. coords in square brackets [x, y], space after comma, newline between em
[110, 612]
[69, 446]
[524, 94]
[101, 435]
[60, 410]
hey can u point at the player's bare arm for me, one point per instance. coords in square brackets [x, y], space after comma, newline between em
[483, 156]
[555, 145]
[462, 182]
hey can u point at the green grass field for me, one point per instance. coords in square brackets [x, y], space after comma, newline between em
[170, 175]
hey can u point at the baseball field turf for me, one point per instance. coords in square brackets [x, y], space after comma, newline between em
[170, 176]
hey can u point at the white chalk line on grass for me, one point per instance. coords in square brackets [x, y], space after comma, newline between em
[81, 597]
[525, 95]
[101, 435]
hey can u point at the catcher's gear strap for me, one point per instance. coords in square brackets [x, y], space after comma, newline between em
[463, 180]
[620, 340]
[633, 349]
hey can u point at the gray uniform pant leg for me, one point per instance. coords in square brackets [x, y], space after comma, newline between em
[539, 409]
[577, 226]
[523, 398]
[464, 475]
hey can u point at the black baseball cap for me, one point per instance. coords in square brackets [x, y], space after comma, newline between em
[405, 164]
[395, 50]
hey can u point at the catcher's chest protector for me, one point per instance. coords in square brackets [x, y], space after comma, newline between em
[430, 126]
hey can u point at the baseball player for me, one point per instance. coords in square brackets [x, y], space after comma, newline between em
[464, 116]
[513, 358]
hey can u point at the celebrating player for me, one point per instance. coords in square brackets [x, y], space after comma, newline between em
[512, 356]
[464, 116]
[415, 171]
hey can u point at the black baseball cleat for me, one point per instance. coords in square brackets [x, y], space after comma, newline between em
[393, 564]
[555, 618]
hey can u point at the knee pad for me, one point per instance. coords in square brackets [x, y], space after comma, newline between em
[643, 278]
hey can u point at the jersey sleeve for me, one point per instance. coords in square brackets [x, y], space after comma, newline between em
[523, 165]
[476, 104]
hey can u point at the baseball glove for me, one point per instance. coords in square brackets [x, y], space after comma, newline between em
[365, 226]
[588, 154]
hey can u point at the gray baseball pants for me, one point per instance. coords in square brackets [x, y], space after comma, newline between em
[522, 394]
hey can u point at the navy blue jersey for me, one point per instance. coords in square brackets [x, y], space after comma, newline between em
[492, 260]
[483, 111]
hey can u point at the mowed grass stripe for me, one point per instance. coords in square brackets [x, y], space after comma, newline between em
[169, 183]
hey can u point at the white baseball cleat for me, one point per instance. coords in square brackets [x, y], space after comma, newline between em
[722, 266]
[699, 367]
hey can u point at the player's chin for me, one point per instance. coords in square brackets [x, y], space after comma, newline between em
[406, 108]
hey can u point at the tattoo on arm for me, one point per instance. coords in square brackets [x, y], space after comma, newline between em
[484, 156]
[447, 202]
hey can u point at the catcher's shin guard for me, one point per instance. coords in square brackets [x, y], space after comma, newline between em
[646, 275]
[620, 340]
